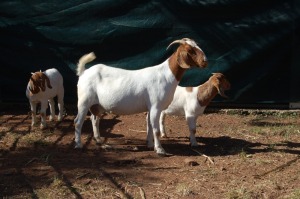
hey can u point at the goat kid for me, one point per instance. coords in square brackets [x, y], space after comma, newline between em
[102, 88]
[43, 87]
[192, 101]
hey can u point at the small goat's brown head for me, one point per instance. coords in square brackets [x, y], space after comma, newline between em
[220, 82]
[189, 54]
[37, 82]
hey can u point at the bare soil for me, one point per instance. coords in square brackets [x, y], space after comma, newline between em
[255, 155]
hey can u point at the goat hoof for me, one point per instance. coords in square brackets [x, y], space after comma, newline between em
[194, 145]
[161, 152]
[78, 146]
[164, 136]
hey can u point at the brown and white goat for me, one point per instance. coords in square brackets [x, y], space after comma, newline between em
[192, 101]
[43, 87]
[102, 88]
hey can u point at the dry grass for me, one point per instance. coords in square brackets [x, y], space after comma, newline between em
[256, 156]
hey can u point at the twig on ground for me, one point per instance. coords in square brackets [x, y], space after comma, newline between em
[207, 157]
[141, 131]
[30, 161]
[82, 175]
[142, 192]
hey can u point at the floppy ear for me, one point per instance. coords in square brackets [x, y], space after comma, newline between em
[48, 82]
[42, 82]
[219, 87]
[34, 86]
[182, 59]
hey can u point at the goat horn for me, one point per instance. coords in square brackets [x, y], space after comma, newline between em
[176, 41]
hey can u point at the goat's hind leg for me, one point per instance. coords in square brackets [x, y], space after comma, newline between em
[95, 123]
[82, 111]
[96, 111]
[191, 120]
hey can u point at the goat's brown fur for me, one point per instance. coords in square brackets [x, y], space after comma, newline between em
[95, 110]
[183, 58]
[216, 84]
[37, 82]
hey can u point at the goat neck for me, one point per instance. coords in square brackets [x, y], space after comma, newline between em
[206, 92]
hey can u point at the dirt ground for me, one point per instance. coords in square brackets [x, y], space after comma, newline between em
[255, 154]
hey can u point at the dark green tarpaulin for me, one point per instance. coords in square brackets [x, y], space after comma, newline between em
[254, 43]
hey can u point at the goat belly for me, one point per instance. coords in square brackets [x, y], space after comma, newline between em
[124, 106]
[127, 110]
[179, 111]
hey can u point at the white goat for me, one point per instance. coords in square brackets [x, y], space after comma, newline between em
[38, 92]
[102, 88]
[192, 101]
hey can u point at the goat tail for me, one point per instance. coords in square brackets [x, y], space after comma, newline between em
[83, 61]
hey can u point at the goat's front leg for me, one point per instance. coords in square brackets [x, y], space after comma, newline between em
[44, 106]
[191, 120]
[33, 113]
[60, 101]
[154, 122]
[95, 123]
[162, 124]
[150, 143]
[52, 109]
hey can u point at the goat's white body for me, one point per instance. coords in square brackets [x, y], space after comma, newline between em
[43, 97]
[184, 103]
[126, 92]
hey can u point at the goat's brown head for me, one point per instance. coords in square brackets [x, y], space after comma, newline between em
[37, 82]
[189, 54]
[220, 83]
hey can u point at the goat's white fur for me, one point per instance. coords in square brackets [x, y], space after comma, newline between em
[125, 92]
[43, 97]
[186, 102]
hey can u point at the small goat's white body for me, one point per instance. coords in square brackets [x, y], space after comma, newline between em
[192, 101]
[43, 97]
[184, 103]
[103, 88]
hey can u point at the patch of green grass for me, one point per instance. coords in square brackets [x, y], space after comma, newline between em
[294, 195]
[240, 193]
[36, 139]
[96, 188]
[183, 189]
[243, 154]
[57, 189]
[283, 130]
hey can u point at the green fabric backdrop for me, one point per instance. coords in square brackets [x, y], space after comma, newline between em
[254, 43]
